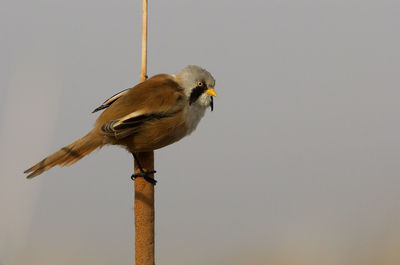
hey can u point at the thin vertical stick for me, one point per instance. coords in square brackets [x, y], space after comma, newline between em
[144, 191]
[143, 72]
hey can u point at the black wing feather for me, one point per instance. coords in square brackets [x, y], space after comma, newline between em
[111, 100]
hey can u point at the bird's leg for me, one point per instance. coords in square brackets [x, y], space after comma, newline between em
[142, 173]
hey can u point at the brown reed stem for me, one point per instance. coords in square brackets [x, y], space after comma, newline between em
[144, 191]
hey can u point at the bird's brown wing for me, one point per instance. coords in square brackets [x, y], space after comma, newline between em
[156, 98]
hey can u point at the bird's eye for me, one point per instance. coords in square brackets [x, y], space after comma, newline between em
[200, 84]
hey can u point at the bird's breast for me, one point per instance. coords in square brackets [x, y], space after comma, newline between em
[193, 115]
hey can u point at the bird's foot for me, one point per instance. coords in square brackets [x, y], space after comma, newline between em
[145, 175]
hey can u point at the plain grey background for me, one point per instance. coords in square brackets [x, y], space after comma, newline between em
[298, 163]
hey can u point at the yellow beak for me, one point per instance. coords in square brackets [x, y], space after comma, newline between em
[211, 92]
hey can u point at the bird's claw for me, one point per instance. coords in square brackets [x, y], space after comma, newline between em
[145, 175]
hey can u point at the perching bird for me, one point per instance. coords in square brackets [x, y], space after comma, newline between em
[149, 116]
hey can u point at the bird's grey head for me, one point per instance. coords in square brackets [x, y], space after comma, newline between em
[198, 84]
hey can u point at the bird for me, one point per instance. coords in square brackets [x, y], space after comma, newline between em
[153, 114]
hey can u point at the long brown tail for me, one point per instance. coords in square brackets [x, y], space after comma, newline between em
[67, 155]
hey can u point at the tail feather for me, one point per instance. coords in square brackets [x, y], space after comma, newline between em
[67, 155]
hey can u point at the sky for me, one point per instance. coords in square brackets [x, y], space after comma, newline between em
[297, 164]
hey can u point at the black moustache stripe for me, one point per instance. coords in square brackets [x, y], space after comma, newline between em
[196, 93]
